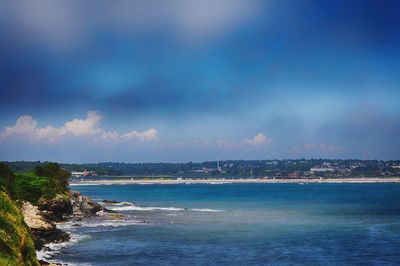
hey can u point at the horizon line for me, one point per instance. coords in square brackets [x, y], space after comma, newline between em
[206, 161]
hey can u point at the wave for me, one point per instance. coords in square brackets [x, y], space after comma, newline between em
[118, 206]
[68, 226]
[129, 206]
[123, 203]
[68, 263]
[51, 249]
[112, 223]
[174, 209]
[137, 208]
[206, 210]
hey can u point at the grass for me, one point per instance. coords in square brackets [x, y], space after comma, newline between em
[16, 245]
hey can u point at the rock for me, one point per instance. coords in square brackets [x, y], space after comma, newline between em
[115, 216]
[42, 219]
[57, 209]
[43, 229]
[16, 243]
[45, 263]
[110, 201]
[42, 237]
[83, 206]
[75, 205]
[34, 218]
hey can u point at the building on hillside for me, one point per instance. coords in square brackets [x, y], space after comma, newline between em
[84, 173]
[322, 169]
[294, 175]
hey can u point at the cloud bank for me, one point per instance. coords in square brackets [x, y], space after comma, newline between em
[27, 126]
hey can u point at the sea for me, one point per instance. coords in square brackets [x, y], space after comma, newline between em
[238, 224]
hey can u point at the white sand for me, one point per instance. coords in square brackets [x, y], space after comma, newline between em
[214, 181]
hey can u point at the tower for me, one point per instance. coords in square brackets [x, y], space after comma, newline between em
[218, 167]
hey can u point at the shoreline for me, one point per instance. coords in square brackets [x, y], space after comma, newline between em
[46, 221]
[215, 181]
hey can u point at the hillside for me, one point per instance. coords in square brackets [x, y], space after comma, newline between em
[16, 245]
[44, 183]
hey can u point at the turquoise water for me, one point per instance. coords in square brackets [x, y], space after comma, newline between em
[243, 224]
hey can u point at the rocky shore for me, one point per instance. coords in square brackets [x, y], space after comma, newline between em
[42, 219]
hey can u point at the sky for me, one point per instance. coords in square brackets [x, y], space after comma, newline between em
[186, 80]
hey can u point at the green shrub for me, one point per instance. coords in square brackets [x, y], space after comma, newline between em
[48, 180]
[16, 245]
[31, 188]
[58, 177]
[6, 179]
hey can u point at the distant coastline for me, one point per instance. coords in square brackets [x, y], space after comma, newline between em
[279, 169]
[215, 181]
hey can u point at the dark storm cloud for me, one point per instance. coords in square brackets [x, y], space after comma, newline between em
[30, 85]
[234, 63]
[286, 41]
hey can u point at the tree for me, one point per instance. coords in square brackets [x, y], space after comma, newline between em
[58, 177]
[6, 179]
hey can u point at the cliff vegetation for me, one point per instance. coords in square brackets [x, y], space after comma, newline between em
[16, 245]
[45, 182]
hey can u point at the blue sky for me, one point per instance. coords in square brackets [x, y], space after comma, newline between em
[177, 81]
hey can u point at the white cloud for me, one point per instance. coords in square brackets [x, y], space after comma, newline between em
[258, 140]
[27, 126]
[48, 134]
[80, 127]
[148, 135]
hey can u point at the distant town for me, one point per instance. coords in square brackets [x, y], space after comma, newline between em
[275, 169]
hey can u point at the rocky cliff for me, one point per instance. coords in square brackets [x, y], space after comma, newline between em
[42, 219]
[42, 227]
[24, 229]
[83, 206]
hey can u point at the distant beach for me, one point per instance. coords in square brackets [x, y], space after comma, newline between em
[215, 181]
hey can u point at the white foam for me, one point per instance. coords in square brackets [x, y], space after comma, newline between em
[124, 203]
[71, 263]
[85, 184]
[155, 208]
[137, 208]
[111, 223]
[98, 223]
[129, 206]
[206, 210]
[51, 249]
[100, 213]
[117, 205]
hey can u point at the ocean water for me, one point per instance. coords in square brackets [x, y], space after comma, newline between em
[241, 224]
